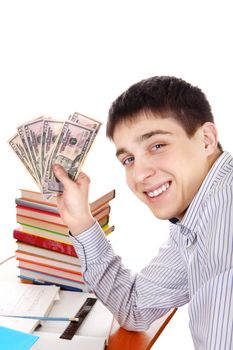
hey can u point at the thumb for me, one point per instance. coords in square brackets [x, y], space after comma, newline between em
[61, 175]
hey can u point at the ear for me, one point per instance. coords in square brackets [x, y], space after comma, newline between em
[210, 137]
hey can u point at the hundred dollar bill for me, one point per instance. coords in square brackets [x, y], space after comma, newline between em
[33, 133]
[16, 145]
[69, 151]
[50, 131]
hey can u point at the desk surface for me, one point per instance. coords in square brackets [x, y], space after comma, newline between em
[119, 337]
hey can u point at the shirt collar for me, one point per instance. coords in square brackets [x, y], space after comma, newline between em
[173, 220]
[214, 175]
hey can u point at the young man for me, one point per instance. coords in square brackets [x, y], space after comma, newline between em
[166, 139]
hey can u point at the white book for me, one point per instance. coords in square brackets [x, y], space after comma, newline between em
[43, 277]
[25, 299]
[33, 300]
[49, 341]
[97, 323]
[28, 251]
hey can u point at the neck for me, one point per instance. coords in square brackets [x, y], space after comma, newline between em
[214, 157]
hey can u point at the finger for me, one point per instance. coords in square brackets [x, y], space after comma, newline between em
[82, 178]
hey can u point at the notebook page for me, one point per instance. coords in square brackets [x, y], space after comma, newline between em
[25, 299]
[98, 322]
[48, 341]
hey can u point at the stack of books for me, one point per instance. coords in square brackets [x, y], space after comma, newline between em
[44, 252]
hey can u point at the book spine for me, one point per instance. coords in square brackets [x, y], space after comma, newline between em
[36, 205]
[25, 219]
[36, 196]
[55, 227]
[44, 243]
[51, 209]
[57, 274]
[45, 277]
[41, 216]
[102, 200]
[35, 200]
[62, 286]
[28, 251]
[48, 266]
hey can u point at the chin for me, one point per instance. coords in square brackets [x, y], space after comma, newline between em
[162, 216]
[165, 213]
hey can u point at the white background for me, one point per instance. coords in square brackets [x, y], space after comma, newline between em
[58, 57]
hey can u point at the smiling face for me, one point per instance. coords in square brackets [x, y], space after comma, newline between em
[164, 166]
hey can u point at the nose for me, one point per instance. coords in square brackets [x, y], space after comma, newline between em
[143, 169]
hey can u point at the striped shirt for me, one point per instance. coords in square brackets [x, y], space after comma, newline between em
[195, 265]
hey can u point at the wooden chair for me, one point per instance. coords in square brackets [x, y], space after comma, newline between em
[121, 339]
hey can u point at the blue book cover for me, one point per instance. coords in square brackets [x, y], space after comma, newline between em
[62, 286]
[12, 339]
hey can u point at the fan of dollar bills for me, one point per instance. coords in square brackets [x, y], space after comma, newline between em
[42, 142]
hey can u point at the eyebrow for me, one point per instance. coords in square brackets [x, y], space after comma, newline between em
[142, 138]
[149, 134]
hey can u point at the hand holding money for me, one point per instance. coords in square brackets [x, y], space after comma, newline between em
[43, 142]
[73, 204]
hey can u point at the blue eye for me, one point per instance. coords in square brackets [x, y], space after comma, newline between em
[127, 161]
[157, 146]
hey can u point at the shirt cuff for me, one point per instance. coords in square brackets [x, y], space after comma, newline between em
[90, 244]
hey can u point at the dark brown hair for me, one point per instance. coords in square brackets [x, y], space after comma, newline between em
[166, 96]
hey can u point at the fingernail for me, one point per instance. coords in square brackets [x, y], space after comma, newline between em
[56, 166]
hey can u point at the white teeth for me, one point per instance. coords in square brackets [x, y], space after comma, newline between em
[159, 190]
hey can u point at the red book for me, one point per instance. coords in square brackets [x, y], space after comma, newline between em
[50, 270]
[48, 240]
[30, 252]
[47, 263]
[55, 218]
[46, 243]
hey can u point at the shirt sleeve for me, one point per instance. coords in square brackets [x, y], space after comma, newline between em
[136, 300]
[213, 303]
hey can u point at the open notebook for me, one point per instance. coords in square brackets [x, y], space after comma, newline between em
[27, 299]
[93, 332]
[49, 341]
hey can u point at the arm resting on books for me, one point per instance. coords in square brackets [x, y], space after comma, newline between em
[135, 300]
